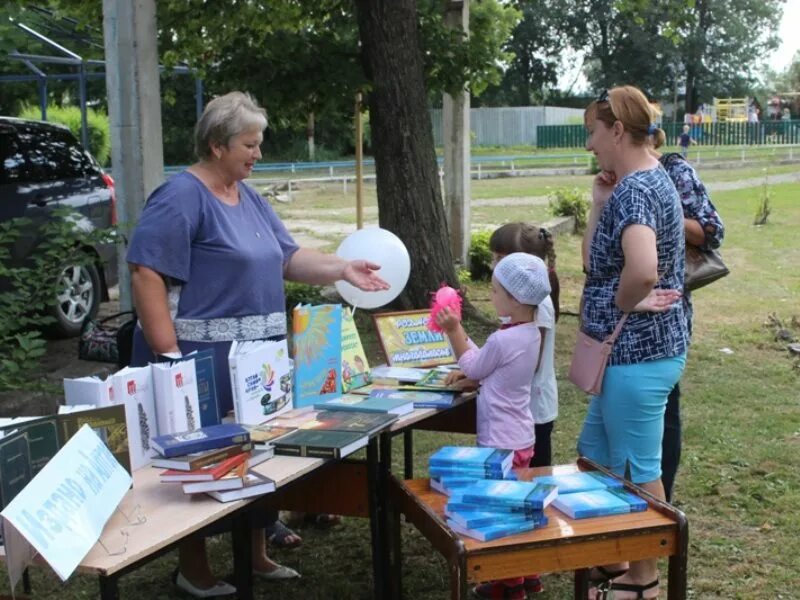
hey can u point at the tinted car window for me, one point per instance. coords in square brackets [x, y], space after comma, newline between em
[54, 154]
[11, 158]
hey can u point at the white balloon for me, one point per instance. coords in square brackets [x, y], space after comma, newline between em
[384, 248]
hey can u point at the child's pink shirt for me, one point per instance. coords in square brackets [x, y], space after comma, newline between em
[505, 367]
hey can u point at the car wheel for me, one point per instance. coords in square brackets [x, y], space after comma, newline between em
[78, 298]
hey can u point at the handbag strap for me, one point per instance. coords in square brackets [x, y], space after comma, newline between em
[116, 316]
[615, 334]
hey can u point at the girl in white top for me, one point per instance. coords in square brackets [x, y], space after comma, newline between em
[525, 237]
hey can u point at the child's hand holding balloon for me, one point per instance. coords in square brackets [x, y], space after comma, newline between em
[449, 299]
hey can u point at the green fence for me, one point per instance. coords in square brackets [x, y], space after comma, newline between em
[707, 134]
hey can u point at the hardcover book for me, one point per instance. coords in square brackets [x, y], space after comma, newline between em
[434, 380]
[206, 386]
[233, 479]
[407, 342]
[355, 368]
[361, 422]
[263, 435]
[255, 484]
[523, 494]
[317, 345]
[320, 444]
[205, 438]
[296, 417]
[108, 422]
[260, 380]
[493, 532]
[198, 460]
[586, 481]
[88, 390]
[480, 519]
[15, 466]
[133, 389]
[420, 398]
[397, 374]
[209, 473]
[596, 503]
[43, 439]
[491, 460]
[352, 402]
[176, 400]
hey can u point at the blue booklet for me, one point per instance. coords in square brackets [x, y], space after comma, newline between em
[524, 494]
[637, 503]
[597, 503]
[457, 504]
[420, 398]
[492, 532]
[447, 484]
[436, 471]
[480, 519]
[470, 457]
[351, 402]
[199, 440]
[585, 481]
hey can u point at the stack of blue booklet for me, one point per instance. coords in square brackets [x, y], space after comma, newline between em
[591, 494]
[479, 463]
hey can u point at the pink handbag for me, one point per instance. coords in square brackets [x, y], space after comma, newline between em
[589, 359]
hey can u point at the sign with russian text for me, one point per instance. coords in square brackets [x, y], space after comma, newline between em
[63, 510]
[407, 341]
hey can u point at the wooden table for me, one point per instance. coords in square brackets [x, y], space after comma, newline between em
[563, 545]
[170, 517]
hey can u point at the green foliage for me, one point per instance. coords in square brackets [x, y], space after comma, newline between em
[569, 202]
[764, 199]
[594, 166]
[464, 276]
[301, 293]
[32, 288]
[97, 122]
[480, 256]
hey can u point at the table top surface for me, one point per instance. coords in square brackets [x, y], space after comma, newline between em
[420, 414]
[560, 527]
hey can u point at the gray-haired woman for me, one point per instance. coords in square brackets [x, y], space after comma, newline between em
[208, 259]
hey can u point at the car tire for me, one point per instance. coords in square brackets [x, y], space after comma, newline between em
[77, 300]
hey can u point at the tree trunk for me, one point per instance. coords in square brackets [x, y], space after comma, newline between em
[409, 194]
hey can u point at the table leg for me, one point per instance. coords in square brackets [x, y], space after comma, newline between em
[26, 581]
[109, 588]
[242, 540]
[376, 516]
[396, 541]
[458, 579]
[408, 454]
[581, 584]
[678, 564]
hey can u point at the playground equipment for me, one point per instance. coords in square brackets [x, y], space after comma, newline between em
[732, 110]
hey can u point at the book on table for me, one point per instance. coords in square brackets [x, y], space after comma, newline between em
[367, 423]
[133, 388]
[447, 484]
[254, 484]
[352, 402]
[420, 398]
[43, 438]
[522, 494]
[176, 400]
[15, 465]
[456, 503]
[317, 353]
[207, 397]
[209, 473]
[232, 480]
[484, 518]
[260, 380]
[493, 532]
[198, 460]
[396, 375]
[263, 435]
[313, 443]
[435, 380]
[88, 390]
[488, 460]
[259, 455]
[108, 422]
[475, 473]
[585, 481]
[205, 438]
[355, 368]
[296, 417]
[599, 503]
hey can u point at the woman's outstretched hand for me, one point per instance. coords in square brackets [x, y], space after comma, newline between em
[658, 301]
[361, 274]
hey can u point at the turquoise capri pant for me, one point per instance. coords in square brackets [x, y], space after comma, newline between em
[624, 426]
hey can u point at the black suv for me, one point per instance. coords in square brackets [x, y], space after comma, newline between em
[44, 167]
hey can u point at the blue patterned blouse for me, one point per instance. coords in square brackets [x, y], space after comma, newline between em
[641, 198]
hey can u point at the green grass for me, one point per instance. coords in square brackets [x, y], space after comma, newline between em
[739, 481]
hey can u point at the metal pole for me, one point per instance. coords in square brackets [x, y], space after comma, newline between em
[82, 100]
[359, 165]
[198, 97]
[43, 97]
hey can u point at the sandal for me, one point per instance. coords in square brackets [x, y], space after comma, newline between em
[601, 582]
[322, 520]
[633, 587]
[277, 535]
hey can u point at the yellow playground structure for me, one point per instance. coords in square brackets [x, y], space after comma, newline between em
[730, 109]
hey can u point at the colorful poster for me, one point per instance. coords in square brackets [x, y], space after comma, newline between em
[355, 368]
[407, 341]
[317, 344]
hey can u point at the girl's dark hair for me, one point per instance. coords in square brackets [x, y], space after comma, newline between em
[526, 237]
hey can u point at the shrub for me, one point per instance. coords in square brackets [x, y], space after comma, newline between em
[32, 289]
[764, 208]
[480, 256]
[594, 166]
[301, 293]
[569, 202]
[97, 122]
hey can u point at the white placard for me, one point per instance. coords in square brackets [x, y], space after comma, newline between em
[63, 510]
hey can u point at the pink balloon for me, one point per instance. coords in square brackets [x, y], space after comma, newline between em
[445, 296]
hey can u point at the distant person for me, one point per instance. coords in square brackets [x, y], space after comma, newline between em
[526, 237]
[684, 141]
[505, 366]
